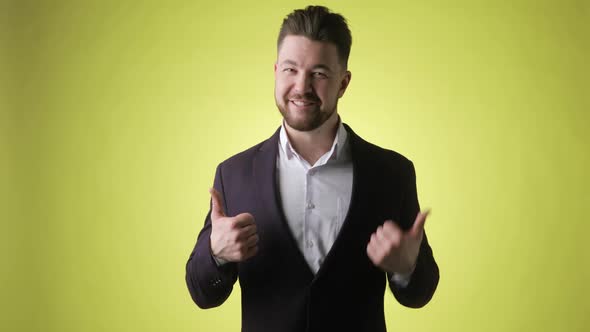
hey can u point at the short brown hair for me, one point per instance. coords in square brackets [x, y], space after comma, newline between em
[319, 24]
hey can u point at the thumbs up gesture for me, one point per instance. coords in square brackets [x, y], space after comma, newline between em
[394, 250]
[233, 239]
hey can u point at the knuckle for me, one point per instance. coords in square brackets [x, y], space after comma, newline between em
[234, 237]
[240, 247]
[379, 258]
[391, 228]
[394, 243]
[232, 224]
[390, 249]
[249, 230]
[247, 217]
[254, 251]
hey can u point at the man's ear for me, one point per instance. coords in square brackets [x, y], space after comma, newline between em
[344, 83]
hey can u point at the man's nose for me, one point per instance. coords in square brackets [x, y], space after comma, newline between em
[303, 83]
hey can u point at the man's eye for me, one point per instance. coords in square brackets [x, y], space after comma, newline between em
[289, 70]
[319, 74]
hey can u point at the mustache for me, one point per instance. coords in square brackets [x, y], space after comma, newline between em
[307, 97]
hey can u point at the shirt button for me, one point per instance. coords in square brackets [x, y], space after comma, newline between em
[311, 172]
[309, 244]
[310, 205]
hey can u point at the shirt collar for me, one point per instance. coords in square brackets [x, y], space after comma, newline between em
[337, 152]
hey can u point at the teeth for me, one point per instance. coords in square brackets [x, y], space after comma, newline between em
[301, 103]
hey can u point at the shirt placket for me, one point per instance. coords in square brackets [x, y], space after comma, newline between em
[308, 209]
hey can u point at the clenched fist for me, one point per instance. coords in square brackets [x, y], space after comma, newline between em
[394, 250]
[233, 239]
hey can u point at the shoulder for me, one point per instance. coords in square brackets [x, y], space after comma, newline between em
[388, 158]
[244, 158]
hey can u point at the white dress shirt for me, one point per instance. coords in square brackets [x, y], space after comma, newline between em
[315, 198]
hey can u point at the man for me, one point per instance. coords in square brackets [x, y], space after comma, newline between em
[314, 221]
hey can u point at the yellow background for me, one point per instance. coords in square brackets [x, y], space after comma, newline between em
[115, 114]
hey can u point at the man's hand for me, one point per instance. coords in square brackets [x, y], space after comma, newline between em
[396, 251]
[233, 239]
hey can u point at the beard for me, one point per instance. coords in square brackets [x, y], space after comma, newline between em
[304, 120]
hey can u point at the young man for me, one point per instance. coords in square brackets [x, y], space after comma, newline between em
[314, 221]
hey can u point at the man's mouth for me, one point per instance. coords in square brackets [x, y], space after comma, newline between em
[302, 103]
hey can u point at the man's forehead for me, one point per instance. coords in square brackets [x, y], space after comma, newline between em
[300, 50]
[303, 42]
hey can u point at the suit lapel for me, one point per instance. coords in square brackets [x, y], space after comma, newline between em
[265, 175]
[360, 179]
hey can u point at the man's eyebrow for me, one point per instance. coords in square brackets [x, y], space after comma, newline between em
[318, 66]
[321, 66]
[289, 62]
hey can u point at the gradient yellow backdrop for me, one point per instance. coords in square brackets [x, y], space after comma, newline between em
[114, 115]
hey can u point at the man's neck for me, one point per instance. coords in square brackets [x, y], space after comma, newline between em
[312, 145]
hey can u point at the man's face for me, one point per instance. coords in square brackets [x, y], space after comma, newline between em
[309, 79]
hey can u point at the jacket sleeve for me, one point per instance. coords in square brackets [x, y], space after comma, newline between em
[424, 280]
[209, 285]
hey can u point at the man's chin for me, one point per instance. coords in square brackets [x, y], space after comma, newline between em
[302, 120]
[304, 124]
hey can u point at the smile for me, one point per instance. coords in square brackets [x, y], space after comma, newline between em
[302, 103]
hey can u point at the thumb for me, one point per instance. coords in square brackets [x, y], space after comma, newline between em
[216, 205]
[418, 226]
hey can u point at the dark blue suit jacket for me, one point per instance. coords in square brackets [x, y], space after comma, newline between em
[279, 291]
